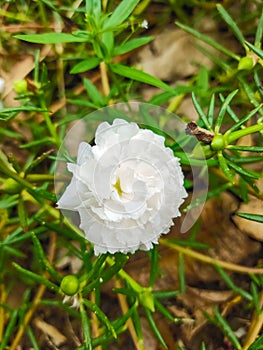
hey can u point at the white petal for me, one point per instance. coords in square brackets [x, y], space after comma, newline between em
[126, 188]
[84, 152]
[70, 199]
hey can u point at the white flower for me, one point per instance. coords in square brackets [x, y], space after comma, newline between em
[145, 24]
[126, 188]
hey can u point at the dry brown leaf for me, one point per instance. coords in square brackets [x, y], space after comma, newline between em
[253, 206]
[19, 71]
[172, 56]
[50, 331]
[252, 228]
[227, 242]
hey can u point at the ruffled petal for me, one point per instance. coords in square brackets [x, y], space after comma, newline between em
[127, 188]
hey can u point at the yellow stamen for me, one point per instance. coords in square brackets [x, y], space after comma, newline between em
[118, 187]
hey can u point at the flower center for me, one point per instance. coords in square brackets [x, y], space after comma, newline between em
[117, 186]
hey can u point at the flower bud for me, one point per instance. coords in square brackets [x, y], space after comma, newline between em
[70, 285]
[20, 86]
[218, 143]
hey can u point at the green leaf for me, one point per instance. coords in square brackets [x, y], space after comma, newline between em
[224, 166]
[223, 110]
[244, 160]
[227, 329]
[138, 75]
[229, 110]
[121, 321]
[259, 32]
[9, 113]
[244, 172]
[131, 45]
[181, 275]
[255, 294]
[52, 38]
[203, 346]
[231, 284]
[108, 43]
[93, 93]
[149, 120]
[200, 112]
[79, 103]
[37, 161]
[85, 65]
[100, 314]
[155, 328]
[50, 5]
[249, 92]
[10, 133]
[211, 109]
[10, 329]
[36, 278]
[14, 252]
[45, 141]
[189, 244]
[93, 7]
[232, 24]
[166, 294]
[252, 217]
[120, 14]
[85, 327]
[245, 148]
[256, 50]
[162, 309]
[202, 81]
[258, 344]
[154, 256]
[206, 39]
[32, 338]
[46, 194]
[8, 201]
[163, 97]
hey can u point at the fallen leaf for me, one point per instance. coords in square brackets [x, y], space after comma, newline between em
[254, 206]
[50, 331]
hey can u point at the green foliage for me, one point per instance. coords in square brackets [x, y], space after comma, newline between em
[257, 345]
[220, 321]
[228, 102]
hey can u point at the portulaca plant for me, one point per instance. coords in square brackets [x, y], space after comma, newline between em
[127, 188]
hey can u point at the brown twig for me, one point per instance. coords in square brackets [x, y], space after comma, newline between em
[94, 321]
[125, 308]
[104, 79]
[207, 259]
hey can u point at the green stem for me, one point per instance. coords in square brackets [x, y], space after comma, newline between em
[212, 261]
[40, 177]
[46, 177]
[11, 174]
[49, 124]
[240, 133]
[135, 286]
